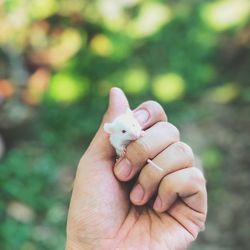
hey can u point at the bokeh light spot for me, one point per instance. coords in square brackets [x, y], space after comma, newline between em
[135, 80]
[225, 14]
[211, 157]
[68, 45]
[101, 45]
[37, 85]
[42, 9]
[6, 89]
[168, 87]
[67, 88]
[225, 93]
[152, 17]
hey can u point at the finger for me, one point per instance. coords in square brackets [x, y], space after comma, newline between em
[118, 104]
[156, 139]
[149, 113]
[188, 184]
[175, 157]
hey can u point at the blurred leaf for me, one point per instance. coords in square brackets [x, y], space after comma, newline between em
[168, 87]
[225, 93]
[212, 158]
[101, 45]
[246, 95]
[68, 44]
[67, 88]
[6, 89]
[42, 9]
[151, 18]
[225, 14]
[135, 80]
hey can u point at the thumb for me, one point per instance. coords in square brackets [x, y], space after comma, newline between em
[118, 104]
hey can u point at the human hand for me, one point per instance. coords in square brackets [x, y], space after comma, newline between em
[170, 207]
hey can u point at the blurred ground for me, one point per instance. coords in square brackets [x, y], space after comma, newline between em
[57, 63]
[228, 223]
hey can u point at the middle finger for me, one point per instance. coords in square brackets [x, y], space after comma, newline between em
[175, 157]
[155, 140]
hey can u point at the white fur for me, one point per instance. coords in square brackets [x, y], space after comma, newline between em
[125, 122]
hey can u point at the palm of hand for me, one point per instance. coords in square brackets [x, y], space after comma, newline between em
[143, 228]
[110, 221]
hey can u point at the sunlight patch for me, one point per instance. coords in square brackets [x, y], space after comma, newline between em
[101, 45]
[152, 17]
[225, 93]
[68, 45]
[42, 9]
[67, 88]
[223, 15]
[168, 87]
[135, 80]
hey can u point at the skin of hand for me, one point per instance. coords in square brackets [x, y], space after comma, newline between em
[132, 205]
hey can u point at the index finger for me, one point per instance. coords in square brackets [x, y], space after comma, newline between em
[149, 113]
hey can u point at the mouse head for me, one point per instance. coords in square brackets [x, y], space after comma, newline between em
[124, 126]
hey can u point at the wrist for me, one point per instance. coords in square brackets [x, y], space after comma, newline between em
[72, 245]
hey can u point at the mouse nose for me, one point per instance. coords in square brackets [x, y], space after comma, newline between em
[135, 135]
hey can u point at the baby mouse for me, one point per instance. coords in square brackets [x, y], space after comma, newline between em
[123, 129]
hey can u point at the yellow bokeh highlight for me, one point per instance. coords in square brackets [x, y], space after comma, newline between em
[113, 13]
[68, 44]
[67, 8]
[225, 14]
[13, 28]
[101, 45]
[168, 87]
[38, 37]
[40, 9]
[37, 85]
[135, 80]
[66, 88]
[152, 17]
[225, 93]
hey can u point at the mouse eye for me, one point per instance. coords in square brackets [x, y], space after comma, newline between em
[124, 131]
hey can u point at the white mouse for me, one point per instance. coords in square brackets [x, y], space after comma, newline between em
[122, 130]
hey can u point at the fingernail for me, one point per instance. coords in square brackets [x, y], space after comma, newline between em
[123, 168]
[157, 204]
[137, 193]
[141, 115]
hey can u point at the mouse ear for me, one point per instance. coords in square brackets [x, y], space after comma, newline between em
[108, 128]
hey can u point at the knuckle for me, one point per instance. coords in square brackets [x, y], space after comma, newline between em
[185, 149]
[144, 147]
[138, 151]
[162, 125]
[166, 183]
[197, 177]
[174, 131]
[147, 177]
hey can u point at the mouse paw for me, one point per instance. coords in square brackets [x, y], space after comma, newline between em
[143, 133]
[122, 155]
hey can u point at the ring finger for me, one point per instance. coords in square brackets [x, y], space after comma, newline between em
[175, 157]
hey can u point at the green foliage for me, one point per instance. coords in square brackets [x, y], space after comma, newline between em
[58, 60]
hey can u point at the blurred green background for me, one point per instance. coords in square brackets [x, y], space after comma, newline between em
[58, 60]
